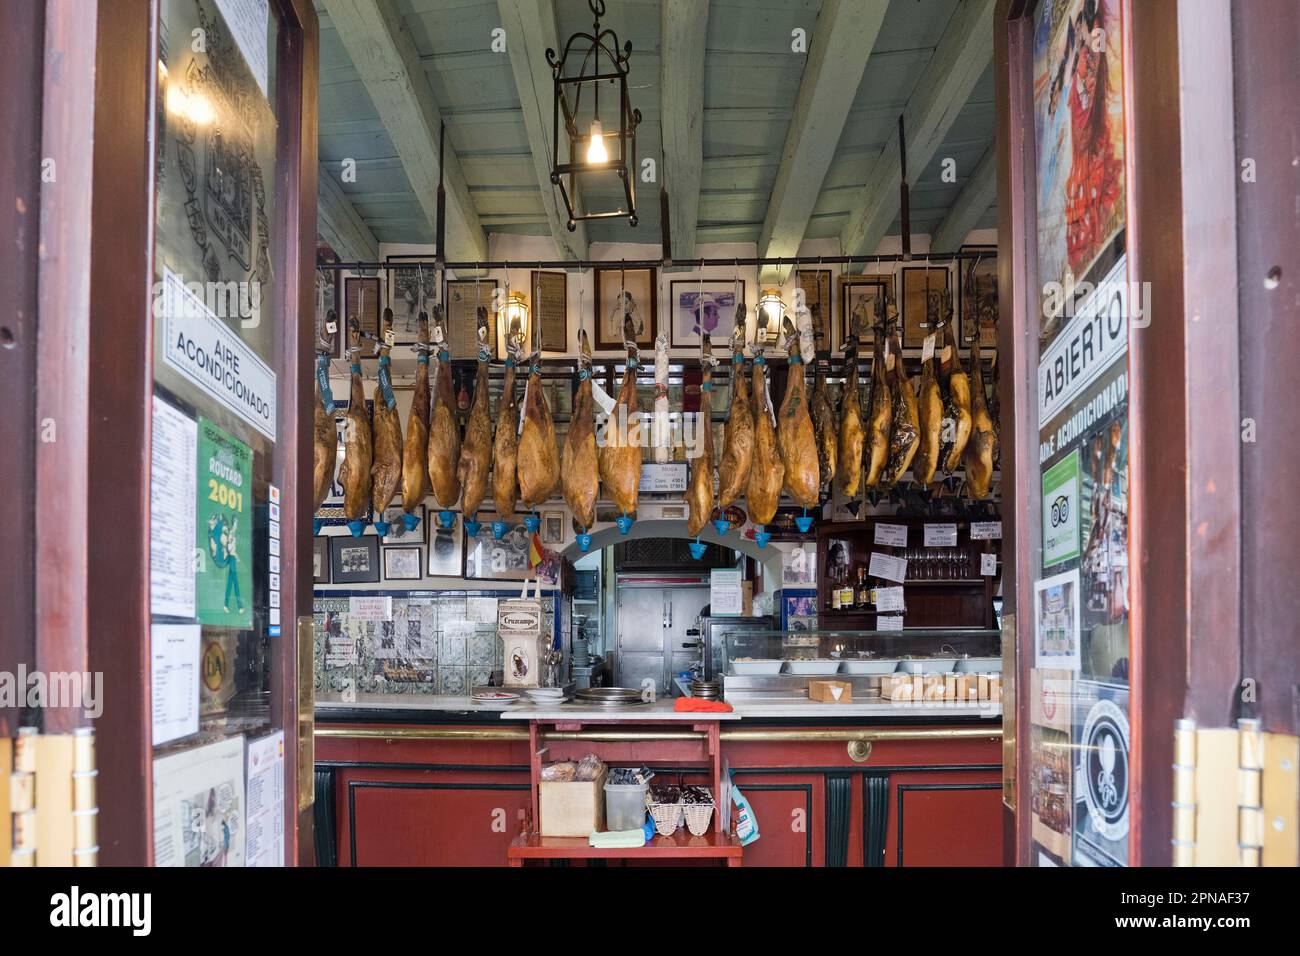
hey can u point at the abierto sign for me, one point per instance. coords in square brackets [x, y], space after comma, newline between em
[211, 355]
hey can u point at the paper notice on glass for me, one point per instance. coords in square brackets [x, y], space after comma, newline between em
[893, 535]
[265, 801]
[725, 592]
[888, 567]
[340, 651]
[174, 679]
[988, 564]
[198, 806]
[481, 610]
[890, 599]
[247, 20]
[459, 629]
[941, 536]
[171, 511]
[985, 530]
[371, 608]
[889, 622]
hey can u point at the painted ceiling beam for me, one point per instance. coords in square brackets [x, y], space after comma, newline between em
[962, 55]
[339, 223]
[683, 25]
[530, 31]
[843, 36]
[976, 195]
[388, 63]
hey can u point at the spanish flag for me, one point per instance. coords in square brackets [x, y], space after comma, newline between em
[536, 553]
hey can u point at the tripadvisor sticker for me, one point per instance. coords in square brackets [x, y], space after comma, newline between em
[224, 578]
[1061, 510]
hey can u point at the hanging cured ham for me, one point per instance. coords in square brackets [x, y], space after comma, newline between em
[849, 470]
[979, 450]
[825, 428]
[358, 444]
[539, 458]
[767, 471]
[476, 450]
[795, 437]
[505, 447]
[880, 413]
[620, 459]
[415, 456]
[956, 402]
[444, 431]
[904, 434]
[325, 441]
[699, 493]
[579, 469]
[929, 421]
[738, 432]
[386, 472]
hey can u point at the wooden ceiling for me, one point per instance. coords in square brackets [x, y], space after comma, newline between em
[764, 145]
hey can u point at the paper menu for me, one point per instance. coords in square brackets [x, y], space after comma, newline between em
[174, 681]
[888, 567]
[892, 535]
[172, 511]
[264, 801]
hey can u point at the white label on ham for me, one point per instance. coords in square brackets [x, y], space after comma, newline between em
[927, 348]
[603, 398]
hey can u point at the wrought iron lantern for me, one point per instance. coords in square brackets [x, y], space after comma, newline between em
[598, 146]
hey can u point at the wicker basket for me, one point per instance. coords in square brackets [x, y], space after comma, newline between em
[667, 817]
[698, 816]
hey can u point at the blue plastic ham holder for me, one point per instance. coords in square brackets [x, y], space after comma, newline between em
[472, 527]
[697, 549]
[624, 523]
[761, 536]
[722, 525]
[447, 519]
[357, 528]
[382, 527]
[532, 523]
[498, 530]
[411, 521]
[584, 542]
[803, 522]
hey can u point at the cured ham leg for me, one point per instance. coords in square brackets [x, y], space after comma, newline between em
[767, 471]
[505, 447]
[825, 427]
[358, 443]
[620, 457]
[956, 408]
[539, 458]
[880, 414]
[579, 469]
[699, 493]
[476, 451]
[849, 471]
[929, 422]
[738, 432]
[415, 456]
[904, 433]
[979, 450]
[386, 471]
[444, 431]
[325, 441]
[795, 437]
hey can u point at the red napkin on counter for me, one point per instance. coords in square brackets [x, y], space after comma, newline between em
[697, 704]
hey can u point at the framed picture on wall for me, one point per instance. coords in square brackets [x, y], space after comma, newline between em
[553, 527]
[354, 560]
[859, 296]
[708, 306]
[402, 564]
[320, 560]
[411, 290]
[488, 559]
[397, 532]
[550, 307]
[361, 302]
[464, 296]
[328, 296]
[977, 295]
[814, 285]
[924, 290]
[619, 292]
[445, 550]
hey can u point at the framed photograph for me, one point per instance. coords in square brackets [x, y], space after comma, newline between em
[327, 298]
[411, 289]
[708, 306]
[445, 550]
[814, 285]
[463, 298]
[977, 295]
[402, 564]
[552, 527]
[487, 559]
[858, 298]
[640, 300]
[320, 560]
[354, 560]
[361, 302]
[799, 566]
[924, 290]
[397, 533]
[1056, 621]
[550, 307]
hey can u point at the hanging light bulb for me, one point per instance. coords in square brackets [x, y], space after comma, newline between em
[771, 311]
[596, 153]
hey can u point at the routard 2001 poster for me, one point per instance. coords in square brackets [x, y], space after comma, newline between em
[224, 571]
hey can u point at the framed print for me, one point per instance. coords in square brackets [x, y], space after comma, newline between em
[924, 289]
[550, 307]
[799, 566]
[402, 564]
[320, 560]
[487, 559]
[463, 298]
[638, 288]
[397, 533]
[354, 560]
[858, 298]
[977, 295]
[708, 306]
[552, 527]
[327, 300]
[361, 302]
[445, 550]
[411, 289]
[814, 286]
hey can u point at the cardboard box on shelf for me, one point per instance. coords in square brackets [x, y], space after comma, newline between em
[830, 691]
[571, 808]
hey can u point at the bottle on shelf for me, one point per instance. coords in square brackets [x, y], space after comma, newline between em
[846, 593]
[864, 594]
